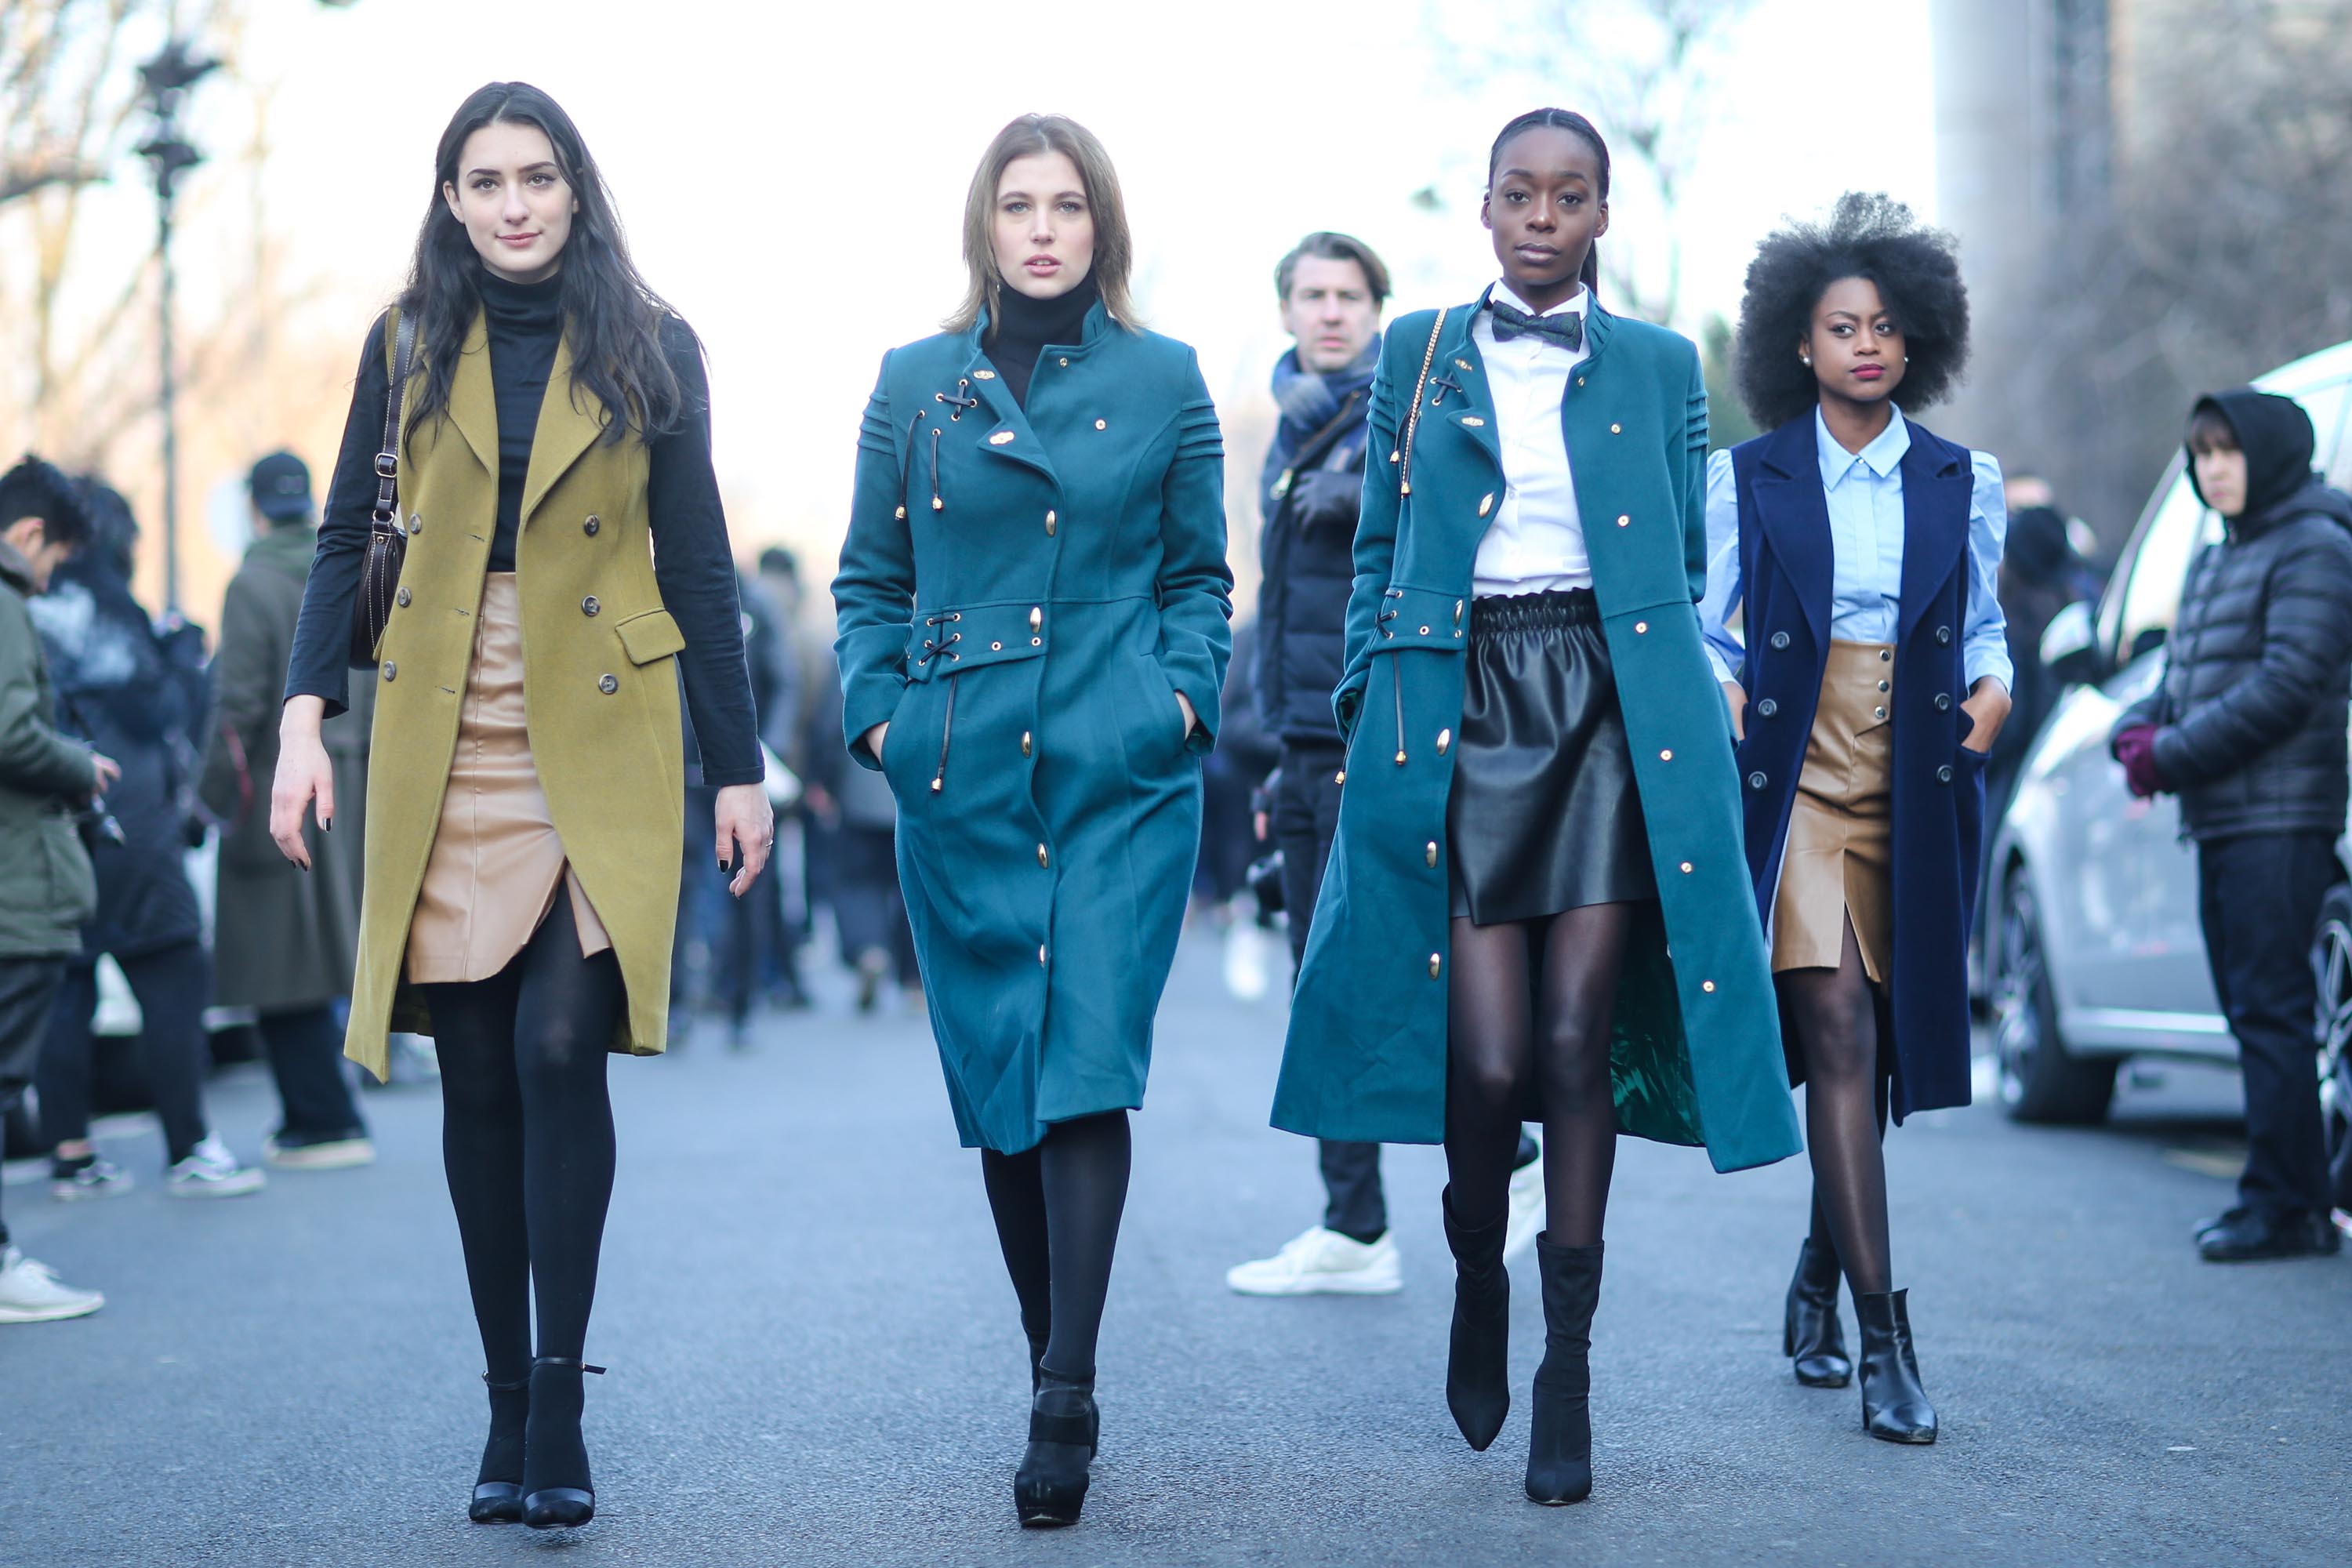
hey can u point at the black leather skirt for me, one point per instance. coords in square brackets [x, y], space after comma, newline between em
[1544, 815]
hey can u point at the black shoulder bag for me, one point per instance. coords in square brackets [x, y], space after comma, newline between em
[387, 546]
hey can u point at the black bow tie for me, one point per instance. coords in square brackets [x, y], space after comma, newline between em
[1567, 329]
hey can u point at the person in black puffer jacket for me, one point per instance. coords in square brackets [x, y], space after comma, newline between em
[2248, 728]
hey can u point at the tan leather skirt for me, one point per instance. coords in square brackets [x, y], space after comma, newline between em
[1838, 864]
[496, 861]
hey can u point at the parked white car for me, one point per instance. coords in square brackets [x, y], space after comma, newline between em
[2093, 952]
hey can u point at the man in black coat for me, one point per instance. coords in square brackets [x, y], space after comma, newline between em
[2248, 728]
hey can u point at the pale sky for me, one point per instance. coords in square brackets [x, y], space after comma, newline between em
[791, 180]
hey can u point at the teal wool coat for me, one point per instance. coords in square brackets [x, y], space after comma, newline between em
[1696, 1054]
[1021, 595]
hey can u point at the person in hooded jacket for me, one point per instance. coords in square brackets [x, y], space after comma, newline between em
[2247, 727]
[121, 688]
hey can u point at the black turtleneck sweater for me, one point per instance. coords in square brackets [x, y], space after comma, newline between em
[525, 322]
[693, 563]
[1023, 328]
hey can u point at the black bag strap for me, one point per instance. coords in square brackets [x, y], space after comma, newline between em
[387, 457]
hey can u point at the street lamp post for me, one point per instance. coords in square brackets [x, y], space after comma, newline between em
[166, 79]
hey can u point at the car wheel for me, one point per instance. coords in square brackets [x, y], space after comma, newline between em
[2039, 1080]
[2331, 964]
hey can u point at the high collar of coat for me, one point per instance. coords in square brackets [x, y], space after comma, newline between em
[1097, 326]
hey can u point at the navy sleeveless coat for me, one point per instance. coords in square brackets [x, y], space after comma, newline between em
[1939, 829]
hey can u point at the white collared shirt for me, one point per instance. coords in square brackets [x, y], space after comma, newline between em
[1535, 542]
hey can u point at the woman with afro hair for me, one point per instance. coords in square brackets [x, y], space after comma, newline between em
[1872, 676]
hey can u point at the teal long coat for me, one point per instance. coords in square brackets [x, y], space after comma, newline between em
[1021, 595]
[1696, 1054]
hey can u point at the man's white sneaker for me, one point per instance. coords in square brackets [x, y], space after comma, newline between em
[210, 1171]
[1322, 1262]
[1526, 1210]
[30, 1293]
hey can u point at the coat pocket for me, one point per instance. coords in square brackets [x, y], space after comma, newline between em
[651, 635]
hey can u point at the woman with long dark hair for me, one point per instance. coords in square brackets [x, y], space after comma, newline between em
[1539, 790]
[1033, 600]
[1870, 682]
[520, 886]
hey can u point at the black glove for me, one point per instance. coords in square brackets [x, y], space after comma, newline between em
[1321, 497]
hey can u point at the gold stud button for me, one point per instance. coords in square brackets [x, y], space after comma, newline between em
[1616, 429]
[1049, 525]
[1668, 755]
[1066, 364]
[1641, 626]
[1102, 424]
[1706, 985]
[1037, 616]
[1002, 437]
[1436, 962]
[1445, 738]
[1024, 742]
[1624, 521]
[1687, 865]
[1041, 952]
[1473, 422]
[1580, 381]
[1487, 503]
[1429, 852]
[1041, 856]
[984, 376]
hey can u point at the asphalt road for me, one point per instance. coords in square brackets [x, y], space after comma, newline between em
[815, 1358]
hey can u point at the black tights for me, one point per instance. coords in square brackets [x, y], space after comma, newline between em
[1504, 1040]
[527, 1137]
[1835, 1011]
[1057, 1207]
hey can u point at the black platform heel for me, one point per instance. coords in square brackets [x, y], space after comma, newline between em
[1559, 1435]
[1477, 1359]
[554, 1456]
[1037, 1381]
[1050, 1487]
[1895, 1407]
[1812, 1338]
[497, 1502]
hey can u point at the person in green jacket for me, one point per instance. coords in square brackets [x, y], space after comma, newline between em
[1033, 603]
[284, 939]
[46, 781]
[1538, 790]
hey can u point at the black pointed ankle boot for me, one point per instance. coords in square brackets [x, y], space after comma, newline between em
[557, 1493]
[1477, 1360]
[1050, 1487]
[1895, 1407]
[1812, 1338]
[498, 1485]
[1560, 1435]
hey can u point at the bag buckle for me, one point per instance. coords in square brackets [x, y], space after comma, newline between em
[387, 464]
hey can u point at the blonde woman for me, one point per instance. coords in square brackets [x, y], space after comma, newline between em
[1033, 600]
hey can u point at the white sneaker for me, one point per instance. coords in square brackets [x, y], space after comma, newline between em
[1320, 1261]
[1246, 970]
[210, 1171]
[29, 1292]
[1526, 1210]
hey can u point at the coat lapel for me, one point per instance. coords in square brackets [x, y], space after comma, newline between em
[566, 428]
[1007, 433]
[473, 405]
[1457, 392]
[1795, 514]
[1936, 493]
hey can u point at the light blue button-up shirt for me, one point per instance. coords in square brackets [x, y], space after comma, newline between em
[1864, 491]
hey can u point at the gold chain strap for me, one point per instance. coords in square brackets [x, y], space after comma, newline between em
[1413, 420]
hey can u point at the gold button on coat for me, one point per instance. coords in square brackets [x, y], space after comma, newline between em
[1445, 738]
[1041, 856]
[1102, 424]
[1706, 985]
[1429, 852]
[1024, 742]
[1436, 962]
[1049, 525]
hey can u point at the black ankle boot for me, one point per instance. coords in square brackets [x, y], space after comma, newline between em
[1037, 1381]
[1559, 1440]
[498, 1485]
[1894, 1408]
[1050, 1487]
[1477, 1360]
[1814, 1337]
[557, 1493]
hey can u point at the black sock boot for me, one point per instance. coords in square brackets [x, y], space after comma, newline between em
[557, 1493]
[498, 1485]
[1895, 1407]
[1478, 1362]
[1812, 1337]
[1050, 1487]
[1559, 1440]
